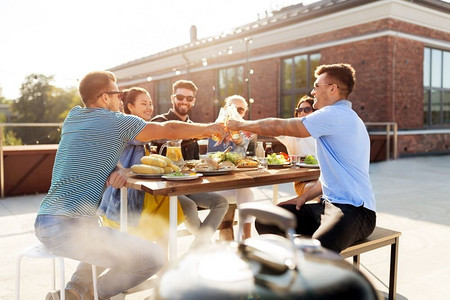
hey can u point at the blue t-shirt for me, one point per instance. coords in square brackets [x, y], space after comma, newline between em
[343, 151]
[240, 149]
[92, 140]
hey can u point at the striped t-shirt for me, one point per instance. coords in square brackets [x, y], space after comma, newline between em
[92, 140]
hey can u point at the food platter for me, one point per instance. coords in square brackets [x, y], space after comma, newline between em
[246, 169]
[215, 172]
[303, 165]
[148, 175]
[182, 177]
[278, 166]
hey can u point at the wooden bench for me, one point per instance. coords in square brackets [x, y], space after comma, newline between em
[380, 237]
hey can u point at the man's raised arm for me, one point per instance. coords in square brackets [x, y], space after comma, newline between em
[179, 130]
[271, 127]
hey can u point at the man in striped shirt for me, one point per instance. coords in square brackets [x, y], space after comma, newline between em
[92, 140]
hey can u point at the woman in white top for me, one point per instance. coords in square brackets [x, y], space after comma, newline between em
[301, 146]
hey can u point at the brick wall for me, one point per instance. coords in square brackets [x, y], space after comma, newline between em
[265, 89]
[423, 143]
[389, 75]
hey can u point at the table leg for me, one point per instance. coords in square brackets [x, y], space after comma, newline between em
[275, 194]
[123, 210]
[173, 228]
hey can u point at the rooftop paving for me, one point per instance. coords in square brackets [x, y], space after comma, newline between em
[413, 196]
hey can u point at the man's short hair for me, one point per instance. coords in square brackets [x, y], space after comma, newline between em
[343, 74]
[93, 84]
[184, 84]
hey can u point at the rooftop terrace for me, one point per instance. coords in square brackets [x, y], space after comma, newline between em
[413, 196]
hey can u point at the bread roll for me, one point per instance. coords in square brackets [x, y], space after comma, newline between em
[226, 165]
[204, 167]
[211, 162]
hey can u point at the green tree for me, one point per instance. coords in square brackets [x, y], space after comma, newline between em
[8, 135]
[2, 99]
[41, 102]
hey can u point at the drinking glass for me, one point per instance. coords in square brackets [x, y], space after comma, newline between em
[263, 164]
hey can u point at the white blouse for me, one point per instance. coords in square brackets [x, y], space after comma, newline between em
[299, 146]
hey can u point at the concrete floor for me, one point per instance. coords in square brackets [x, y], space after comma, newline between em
[413, 196]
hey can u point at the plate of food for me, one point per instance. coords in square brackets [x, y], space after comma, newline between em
[209, 166]
[182, 176]
[305, 165]
[247, 163]
[276, 160]
[278, 166]
[309, 162]
[147, 175]
[215, 172]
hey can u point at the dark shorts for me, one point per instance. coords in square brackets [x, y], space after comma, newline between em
[336, 226]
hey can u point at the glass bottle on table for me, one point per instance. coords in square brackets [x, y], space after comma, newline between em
[259, 152]
[260, 156]
[269, 149]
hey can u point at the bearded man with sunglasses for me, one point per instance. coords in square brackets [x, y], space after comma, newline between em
[92, 140]
[183, 99]
[346, 212]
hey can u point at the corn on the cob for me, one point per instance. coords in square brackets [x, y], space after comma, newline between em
[154, 161]
[146, 169]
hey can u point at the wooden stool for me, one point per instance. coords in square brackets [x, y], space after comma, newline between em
[380, 237]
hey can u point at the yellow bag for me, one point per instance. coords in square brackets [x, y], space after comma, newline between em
[154, 220]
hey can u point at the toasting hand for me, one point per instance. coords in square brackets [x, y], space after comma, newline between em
[215, 129]
[234, 125]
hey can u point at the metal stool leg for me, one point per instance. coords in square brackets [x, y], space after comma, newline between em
[19, 260]
[62, 281]
[38, 251]
[94, 281]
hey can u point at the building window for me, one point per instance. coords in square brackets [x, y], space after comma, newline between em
[231, 82]
[163, 92]
[436, 84]
[297, 78]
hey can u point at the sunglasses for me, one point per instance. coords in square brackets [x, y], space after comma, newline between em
[182, 97]
[305, 109]
[119, 94]
[317, 85]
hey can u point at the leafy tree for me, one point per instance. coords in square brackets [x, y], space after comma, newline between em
[41, 102]
[2, 99]
[8, 136]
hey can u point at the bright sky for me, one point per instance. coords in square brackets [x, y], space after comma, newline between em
[69, 38]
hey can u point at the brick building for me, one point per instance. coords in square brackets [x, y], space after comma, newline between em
[400, 50]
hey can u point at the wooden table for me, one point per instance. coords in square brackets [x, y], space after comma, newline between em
[234, 180]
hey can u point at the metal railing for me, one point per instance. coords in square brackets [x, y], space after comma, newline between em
[2, 171]
[388, 135]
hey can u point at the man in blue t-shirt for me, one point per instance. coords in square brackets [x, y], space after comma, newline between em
[92, 140]
[346, 212]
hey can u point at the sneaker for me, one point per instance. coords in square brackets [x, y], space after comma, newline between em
[56, 295]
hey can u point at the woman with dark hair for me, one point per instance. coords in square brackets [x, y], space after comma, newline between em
[301, 146]
[148, 215]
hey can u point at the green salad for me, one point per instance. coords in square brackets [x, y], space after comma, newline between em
[177, 174]
[310, 160]
[276, 159]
